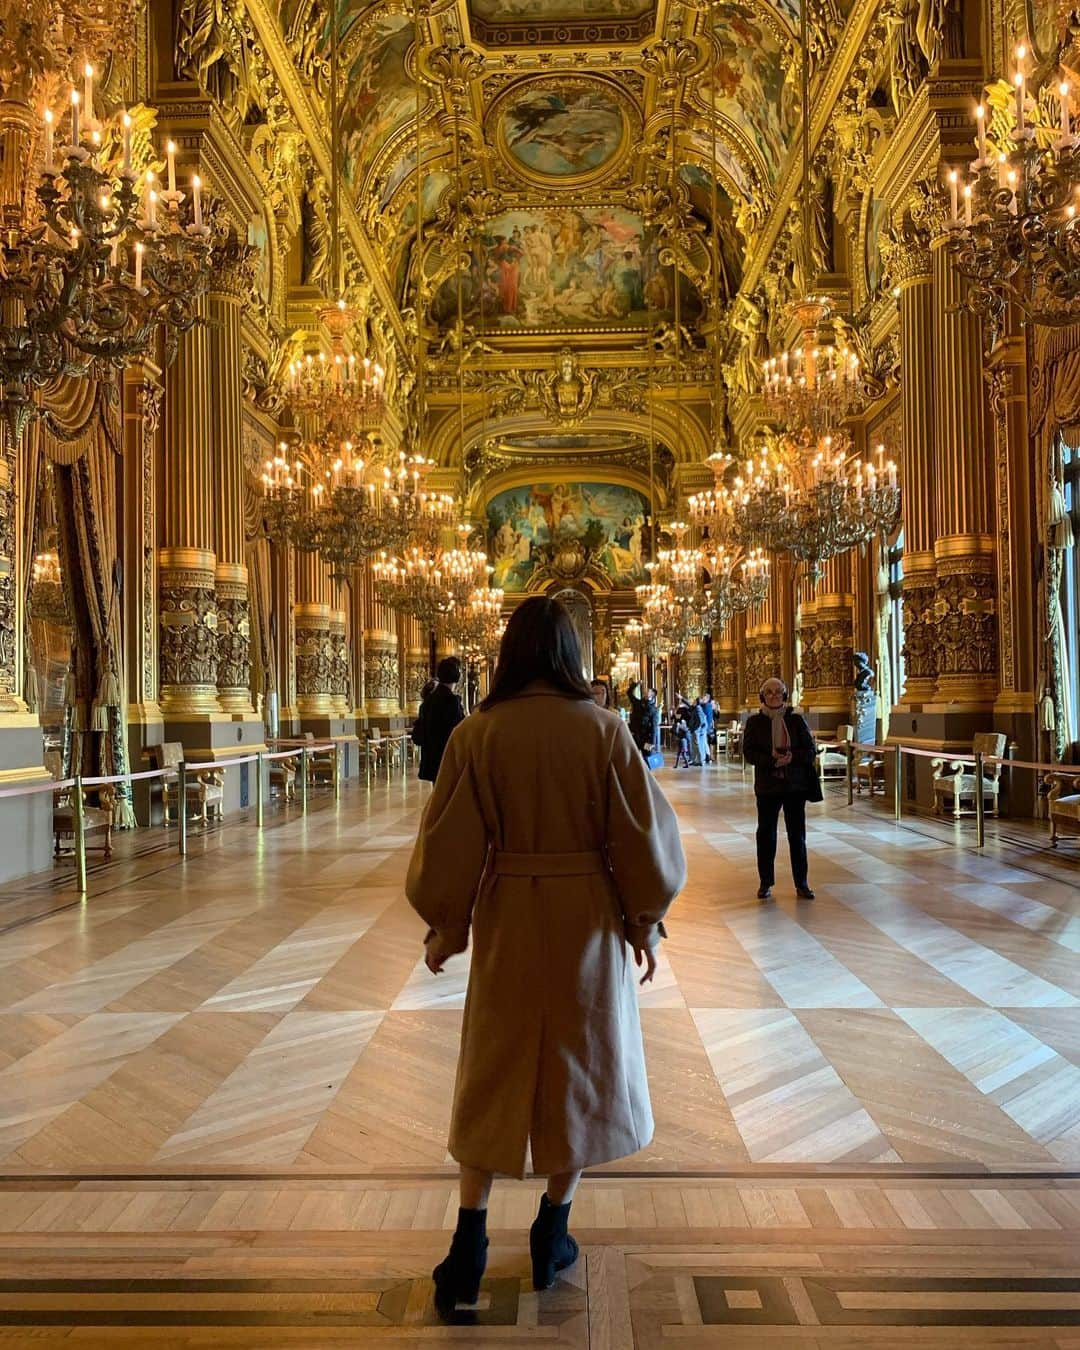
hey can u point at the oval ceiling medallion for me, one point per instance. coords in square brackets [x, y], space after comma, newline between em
[563, 130]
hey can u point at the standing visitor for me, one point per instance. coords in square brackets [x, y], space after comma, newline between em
[650, 723]
[547, 839]
[636, 720]
[708, 709]
[601, 693]
[440, 713]
[780, 746]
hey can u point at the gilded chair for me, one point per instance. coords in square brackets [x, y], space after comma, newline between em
[733, 739]
[97, 820]
[283, 776]
[205, 785]
[832, 756]
[955, 784]
[1064, 803]
[868, 772]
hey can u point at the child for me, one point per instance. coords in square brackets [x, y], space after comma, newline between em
[682, 741]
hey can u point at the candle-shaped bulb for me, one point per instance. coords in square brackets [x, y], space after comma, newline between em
[196, 188]
[170, 152]
[88, 88]
[138, 266]
[48, 140]
[74, 117]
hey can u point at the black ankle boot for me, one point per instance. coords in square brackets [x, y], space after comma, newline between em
[457, 1279]
[551, 1246]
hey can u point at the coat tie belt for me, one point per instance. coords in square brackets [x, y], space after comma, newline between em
[547, 864]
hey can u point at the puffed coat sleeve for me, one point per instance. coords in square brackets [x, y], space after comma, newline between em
[643, 844]
[450, 852]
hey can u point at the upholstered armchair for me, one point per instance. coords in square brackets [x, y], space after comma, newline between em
[733, 739]
[833, 756]
[283, 776]
[205, 786]
[868, 772]
[955, 784]
[97, 819]
[1064, 802]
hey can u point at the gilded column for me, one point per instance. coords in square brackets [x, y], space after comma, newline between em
[314, 645]
[417, 668]
[764, 638]
[339, 663]
[692, 668]
[725, 676]
[231, 282]
[911, 270]
[9, 699]
[188, 615]
[965, 619]
[806, 673]
[381, 675]
[834, 641]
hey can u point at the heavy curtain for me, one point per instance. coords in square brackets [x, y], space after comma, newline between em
[81, 436]
[1055, 415]
[260, 602]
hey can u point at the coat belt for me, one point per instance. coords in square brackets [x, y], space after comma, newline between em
[547, 864]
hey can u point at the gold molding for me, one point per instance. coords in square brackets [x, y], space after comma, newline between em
[964, 546]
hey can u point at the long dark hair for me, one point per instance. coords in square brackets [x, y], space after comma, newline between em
[539, 644]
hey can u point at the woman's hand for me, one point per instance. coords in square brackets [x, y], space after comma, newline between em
[782, 757]
[437, 951]
[648, 956]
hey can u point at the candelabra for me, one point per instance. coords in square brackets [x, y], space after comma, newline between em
[430, 583]
[1017, 241]
[342, 396]
[108, 266]
[478, 625]
[738, 581]
[328, 500]
[812, 498]
[815, 384]
[645, 642]
[47, 592]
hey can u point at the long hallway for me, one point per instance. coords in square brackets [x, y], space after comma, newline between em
[225, 1089]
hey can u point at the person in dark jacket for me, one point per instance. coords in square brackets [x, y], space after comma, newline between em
[780, 746]
[440, 713]
[636, 719]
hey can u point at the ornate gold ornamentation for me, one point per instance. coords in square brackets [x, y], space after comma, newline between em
[920, 650]
[1002, 382]
[965, 618]
[569, 392]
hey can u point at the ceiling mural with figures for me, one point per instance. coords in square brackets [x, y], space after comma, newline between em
[566, 128]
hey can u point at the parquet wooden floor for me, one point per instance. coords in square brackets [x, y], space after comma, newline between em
[224, 1092]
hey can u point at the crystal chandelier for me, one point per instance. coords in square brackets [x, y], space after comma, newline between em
[813, 498]
[341, 395]
[816, 384]
[738, 581]
[478, 625]
[430, 583]
[113, 261]
[674, 601]
[1017, 241]
[645, 641]
[329, 500]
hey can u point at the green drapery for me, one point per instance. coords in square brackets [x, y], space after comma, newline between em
[1055, 415]
[81, 436]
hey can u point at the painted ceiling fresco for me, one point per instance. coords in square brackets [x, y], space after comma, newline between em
[501, 11]
[524, 524]
[570, 128]
[381, 96]
[747, 85]
[593, 266]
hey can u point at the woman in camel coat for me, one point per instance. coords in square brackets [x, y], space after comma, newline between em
[547, 838]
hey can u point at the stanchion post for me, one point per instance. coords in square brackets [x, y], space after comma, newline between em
[181, 806]
[303, 779]
[337, 770]
[259, 789]
[404, 751]
[80, 836]
[850, 773]
[980, 805]
[898, 784]
[389, 759]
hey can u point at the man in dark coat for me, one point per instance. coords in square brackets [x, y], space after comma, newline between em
[780, 746]
[440, 713]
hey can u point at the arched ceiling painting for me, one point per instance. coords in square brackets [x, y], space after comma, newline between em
[561, 149]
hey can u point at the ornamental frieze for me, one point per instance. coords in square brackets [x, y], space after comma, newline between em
[234, 642]
[965, 613]
[188, 631]
[725, 677]
[381, 673]
[920, 651]
[314, 662]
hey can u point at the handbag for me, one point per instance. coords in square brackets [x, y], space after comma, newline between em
[654, 759]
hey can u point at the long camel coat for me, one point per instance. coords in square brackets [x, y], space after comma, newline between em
[547, 836]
